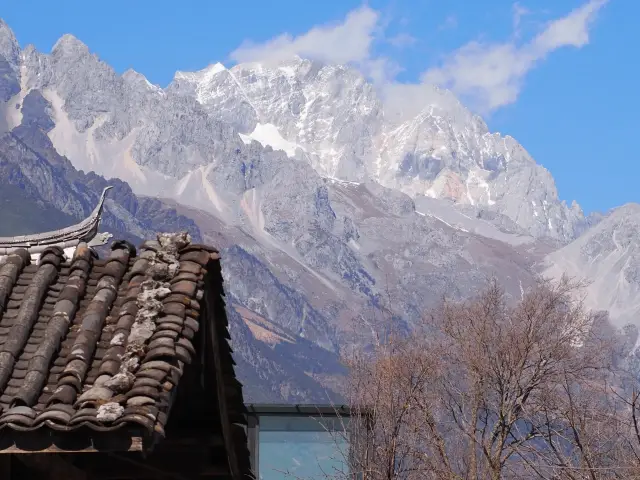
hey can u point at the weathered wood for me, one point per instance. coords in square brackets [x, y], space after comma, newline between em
[185, 465]
[5, 466]
[146, 466]
[54, 466]
[253, 432]
[138, 473]
[190, 439]
[41, 442]
[215, 364]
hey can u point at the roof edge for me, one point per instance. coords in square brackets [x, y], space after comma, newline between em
[71, 236]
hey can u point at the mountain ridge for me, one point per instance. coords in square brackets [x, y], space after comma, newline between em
[328, 215]
[411, 157]
[414, 154]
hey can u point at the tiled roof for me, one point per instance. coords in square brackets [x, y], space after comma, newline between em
[97, 343]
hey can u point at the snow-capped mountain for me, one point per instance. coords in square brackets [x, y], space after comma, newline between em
[327, 211]
[328, 116]
[331, 116]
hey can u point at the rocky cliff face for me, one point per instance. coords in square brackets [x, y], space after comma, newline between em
[330, 116]
[608, 256]
[328, 213]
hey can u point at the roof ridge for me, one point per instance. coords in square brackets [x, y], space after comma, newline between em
[71, 236]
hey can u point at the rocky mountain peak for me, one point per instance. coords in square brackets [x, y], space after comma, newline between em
[132, 76]
[9, 47]
[343, 128]
[138, 80]
[201, 76]
[327, 115]
[9, 68]
[69, 45]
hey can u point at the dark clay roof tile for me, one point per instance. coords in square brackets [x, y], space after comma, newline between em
[101, 344]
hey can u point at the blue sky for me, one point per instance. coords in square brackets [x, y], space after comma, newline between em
[560, 76]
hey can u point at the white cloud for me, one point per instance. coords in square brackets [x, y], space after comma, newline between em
[381, 70]
[345, 42]
[572, 30]
[402, 40]
[486, 76]
[490, 76]
[519, 12]
[449, 23]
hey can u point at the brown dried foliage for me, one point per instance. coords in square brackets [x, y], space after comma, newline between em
[486, 389]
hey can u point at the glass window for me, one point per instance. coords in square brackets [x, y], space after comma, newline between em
[302, 447]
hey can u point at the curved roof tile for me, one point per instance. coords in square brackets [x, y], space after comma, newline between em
[103, 343]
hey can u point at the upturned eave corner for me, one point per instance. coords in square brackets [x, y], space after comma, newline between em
[68, 237]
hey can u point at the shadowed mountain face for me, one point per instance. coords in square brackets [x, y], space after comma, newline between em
[327, 213]
[21, 214]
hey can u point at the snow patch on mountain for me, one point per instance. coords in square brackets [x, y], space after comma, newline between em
[268, 135]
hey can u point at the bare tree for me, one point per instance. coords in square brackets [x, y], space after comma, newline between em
[486, 389]
[389, 397]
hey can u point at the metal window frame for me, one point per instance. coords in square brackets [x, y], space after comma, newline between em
[256, 410]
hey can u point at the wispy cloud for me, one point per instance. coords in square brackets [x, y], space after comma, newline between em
[402, 40]
[572, 30]
[486, 76]
[449, 23]
[491, 75]
[347, 42]
[344, 42]
[519, 12]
